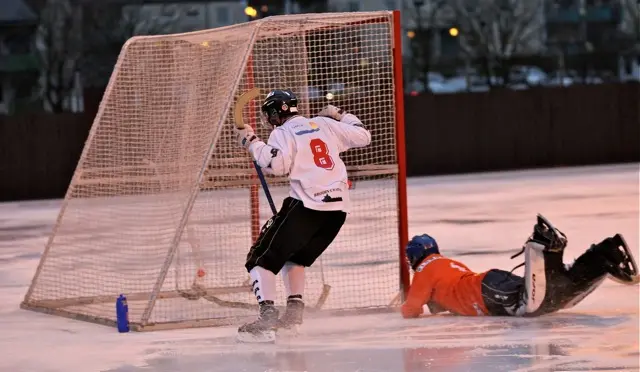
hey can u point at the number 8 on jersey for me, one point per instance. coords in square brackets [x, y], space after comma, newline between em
[321, 154]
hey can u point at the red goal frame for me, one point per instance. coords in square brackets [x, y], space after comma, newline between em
[403, 220]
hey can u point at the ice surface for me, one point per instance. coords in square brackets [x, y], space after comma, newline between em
[479, 219]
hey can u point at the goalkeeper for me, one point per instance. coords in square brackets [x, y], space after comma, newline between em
[548, 284]
[308, 151]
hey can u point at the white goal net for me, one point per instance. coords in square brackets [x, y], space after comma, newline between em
[164, 205]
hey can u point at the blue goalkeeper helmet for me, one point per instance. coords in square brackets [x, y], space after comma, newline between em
[419, 248]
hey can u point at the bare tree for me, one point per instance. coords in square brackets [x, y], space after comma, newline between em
[425, 24]
[631, 23]
[494, 31]
[83, 38]
[59, 48]
[312, 6]
[108, 26]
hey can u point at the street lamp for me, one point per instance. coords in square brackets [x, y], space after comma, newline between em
[250, 11]
[453, 31]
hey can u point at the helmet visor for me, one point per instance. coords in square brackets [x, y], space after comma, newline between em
[264, 120]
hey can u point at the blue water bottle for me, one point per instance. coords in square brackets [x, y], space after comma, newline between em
[122, 314]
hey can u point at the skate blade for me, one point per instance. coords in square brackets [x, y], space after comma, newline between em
[289, 332]
[250, 338]
[635, 277]
[634, 280]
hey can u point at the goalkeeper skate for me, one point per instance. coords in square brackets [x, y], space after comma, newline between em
[544, 233]
[616, 257]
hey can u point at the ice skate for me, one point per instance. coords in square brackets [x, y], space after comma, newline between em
[289, 322]
[262, 330]
[618, 259]
[553, 240]
[544, 232]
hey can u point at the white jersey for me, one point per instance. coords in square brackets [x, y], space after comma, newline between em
[308, 150]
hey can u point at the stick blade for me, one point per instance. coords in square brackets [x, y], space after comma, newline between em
[241, 102]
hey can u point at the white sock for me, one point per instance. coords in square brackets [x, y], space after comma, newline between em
[293, 278]
[264, 284]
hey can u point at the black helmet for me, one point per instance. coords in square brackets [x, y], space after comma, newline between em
[278, 106]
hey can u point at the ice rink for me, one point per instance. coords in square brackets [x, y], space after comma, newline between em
[480, 219]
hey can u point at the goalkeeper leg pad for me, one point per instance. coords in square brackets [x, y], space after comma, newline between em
[534, 278]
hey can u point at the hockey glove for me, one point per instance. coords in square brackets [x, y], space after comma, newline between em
[246, 136]
[332, 112]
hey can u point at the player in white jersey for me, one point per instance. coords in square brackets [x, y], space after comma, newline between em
[308, 151]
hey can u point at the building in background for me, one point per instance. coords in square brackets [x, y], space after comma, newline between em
[19, 68]
[582, 25]
[69, 47]
[194, 14]
[565, 38]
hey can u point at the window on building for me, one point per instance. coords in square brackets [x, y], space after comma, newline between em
[192, 12]
[222, 15]
[169, 10]
[354, 6]
[598, 2]
[564, 4]
[17, 43]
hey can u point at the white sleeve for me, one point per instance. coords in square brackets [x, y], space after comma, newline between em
[275, 156]
[350, 132]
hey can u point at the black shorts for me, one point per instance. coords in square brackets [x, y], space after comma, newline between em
[296, 234]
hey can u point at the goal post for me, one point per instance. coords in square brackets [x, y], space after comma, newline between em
[403, 219]
[164, 205]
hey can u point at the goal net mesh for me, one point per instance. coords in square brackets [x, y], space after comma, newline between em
[164, 204]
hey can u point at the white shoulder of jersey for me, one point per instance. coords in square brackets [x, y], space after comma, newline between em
[349, 132]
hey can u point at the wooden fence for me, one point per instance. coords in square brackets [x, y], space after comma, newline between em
[470, 132]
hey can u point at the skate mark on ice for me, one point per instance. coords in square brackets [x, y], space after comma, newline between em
[20, 257]
[477, 252]
[14, 233]
[611, 215]
[466, 221]
[361, 263]
[589, 196]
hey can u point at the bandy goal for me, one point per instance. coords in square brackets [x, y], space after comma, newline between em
[164, 205]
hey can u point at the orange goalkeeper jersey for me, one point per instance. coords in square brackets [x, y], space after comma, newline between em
[446, 285]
